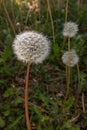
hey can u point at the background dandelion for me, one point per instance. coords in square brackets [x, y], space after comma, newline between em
[74, 59]
[70, 29]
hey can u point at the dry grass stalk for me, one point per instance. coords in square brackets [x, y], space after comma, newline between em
[51, 19]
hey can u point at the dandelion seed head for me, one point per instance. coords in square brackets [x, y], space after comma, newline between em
[31, 47]
[74, 59]
[70, 29]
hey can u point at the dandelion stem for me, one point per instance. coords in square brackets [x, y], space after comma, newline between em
[66, 73]
[26, 98]
[69, 58]
[68, 70]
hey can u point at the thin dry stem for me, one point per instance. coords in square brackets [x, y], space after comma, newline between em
[26, 20]
[51, 19]
[74, 119]
[78, 74]
[60, 4]
[26, 98]
[77, 93]
[64, 40]
[12, 9]
[78, 4]
[83, 103]
[66, 18]
[66, 13]
[66, 73]
[8, 18]
[39, 4]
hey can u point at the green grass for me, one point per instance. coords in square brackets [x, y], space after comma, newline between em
[47, 81]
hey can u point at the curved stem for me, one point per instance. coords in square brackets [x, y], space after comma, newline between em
[26, 98]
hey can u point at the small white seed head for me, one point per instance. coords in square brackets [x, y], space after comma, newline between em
[31, 47]
[74, 59]
[70, 29]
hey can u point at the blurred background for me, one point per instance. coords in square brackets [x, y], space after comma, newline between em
[47, 80]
